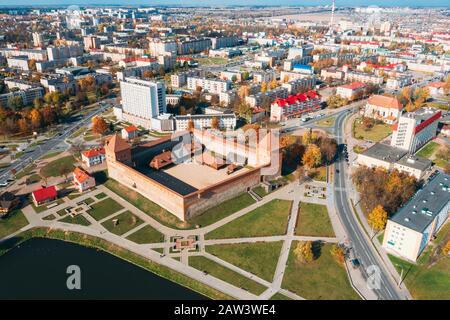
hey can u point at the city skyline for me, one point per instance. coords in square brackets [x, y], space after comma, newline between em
[396, 3]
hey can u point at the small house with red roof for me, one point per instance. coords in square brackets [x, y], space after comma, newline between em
[294, 106]
[384, 108]
[351, 91]
[44, 195]
[82, 180]
[130, 132]
[93, 157]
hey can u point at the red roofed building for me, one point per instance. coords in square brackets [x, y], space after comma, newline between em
[82, 180]
[130, 132]
[384, 108]
[93, 157]
[436, 88]
[351, 91]
[44, 195]
[294, 106]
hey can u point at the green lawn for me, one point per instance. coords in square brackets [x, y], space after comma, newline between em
[126, 222]
[326, 122]
[222, 210]
[12, 222]
[52, 169]
[50, 217]
[78, 219]
[104, 208]
[152, 209]
[313, 220]
[26, 171]
[259, 258]
[260, 191]
[428, 150]
[44, 207]
[321, 279]
[225, 274]
[267, 220]
[101, 195]
[50, 155]
[279, 296]
[147, 234]
[378, 132]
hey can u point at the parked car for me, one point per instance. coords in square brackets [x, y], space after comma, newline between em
[355, 263]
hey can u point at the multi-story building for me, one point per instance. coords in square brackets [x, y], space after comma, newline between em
[300, 85]
[38, 40]
[211, 85]
[398, 82]
[415, 224]
[193, 46]
[204, 121]
[363, 77]
[20, 84]
[294, 106]
[142, 100]
[224, 42]
[93, 157]
[58, 82]
[332, 73]
[34, 54]
[64, 52]
[91, 42]
[384, 108]
[27, 96]
[158, 47]
[256, 100]
[19, 62]
[351, 91]
[263, 76]
[179, 79]
[414, 129]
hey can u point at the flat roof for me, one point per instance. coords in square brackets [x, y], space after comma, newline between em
[385, 152]
[425, 205]
[415, 162]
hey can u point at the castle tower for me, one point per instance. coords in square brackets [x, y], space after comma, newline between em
[117, 149]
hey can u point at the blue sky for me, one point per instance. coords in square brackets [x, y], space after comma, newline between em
[231, 2]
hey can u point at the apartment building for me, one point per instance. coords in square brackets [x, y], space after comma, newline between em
[255, 100]
[203, 121]
[179, 79]
[386, 109]
[27, 96]
[415, 224]
[354, 76]
[415, 129]
[300, 85]
[18, 62]
[210, 85]
[193, 46]
[351, 91]
[294, 106]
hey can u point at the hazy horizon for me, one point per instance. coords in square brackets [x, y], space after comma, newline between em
[387, 3]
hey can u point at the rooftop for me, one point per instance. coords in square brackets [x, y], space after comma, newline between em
[385, 102]
[426, 204]
[385, 152]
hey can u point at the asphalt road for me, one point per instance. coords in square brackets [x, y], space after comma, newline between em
[361, 246]
[52, 143]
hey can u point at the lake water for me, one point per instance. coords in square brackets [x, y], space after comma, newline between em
[37, 270]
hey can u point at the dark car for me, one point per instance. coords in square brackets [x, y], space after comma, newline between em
[355, 263]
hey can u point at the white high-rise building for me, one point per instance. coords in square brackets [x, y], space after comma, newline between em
[142, 101]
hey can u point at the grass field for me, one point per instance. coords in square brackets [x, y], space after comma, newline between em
[78, 219]
[49, 155]
[12, 222]
[279, 296]
[104, 208]
[223, 210]
[152, 209]
[125, 222]
[52, 169]
[378, 132]
[259, 258]
[225, 274]
[146, 234]
[326, 122]
[44, 207]
[313, 220]
[267, 220]
[428, 150]
[259, 190]
[321, 279]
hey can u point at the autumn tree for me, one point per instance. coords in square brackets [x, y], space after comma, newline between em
[328, 147]
[309, 137]
[190, 124]
[312, 157]
[264, 86]
[99, 125]
[36, 119]
[335, 101]
[64, 171]
[446, 248]
[303, 252]
[378, 218]
[338, 253]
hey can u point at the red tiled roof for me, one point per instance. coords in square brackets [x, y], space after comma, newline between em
[354, 85]
[297, 98]
[131, 128]
[93, 152]
[45, 193]
[437, 84]
[80, 175]
[385, 102]
[427, 122]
